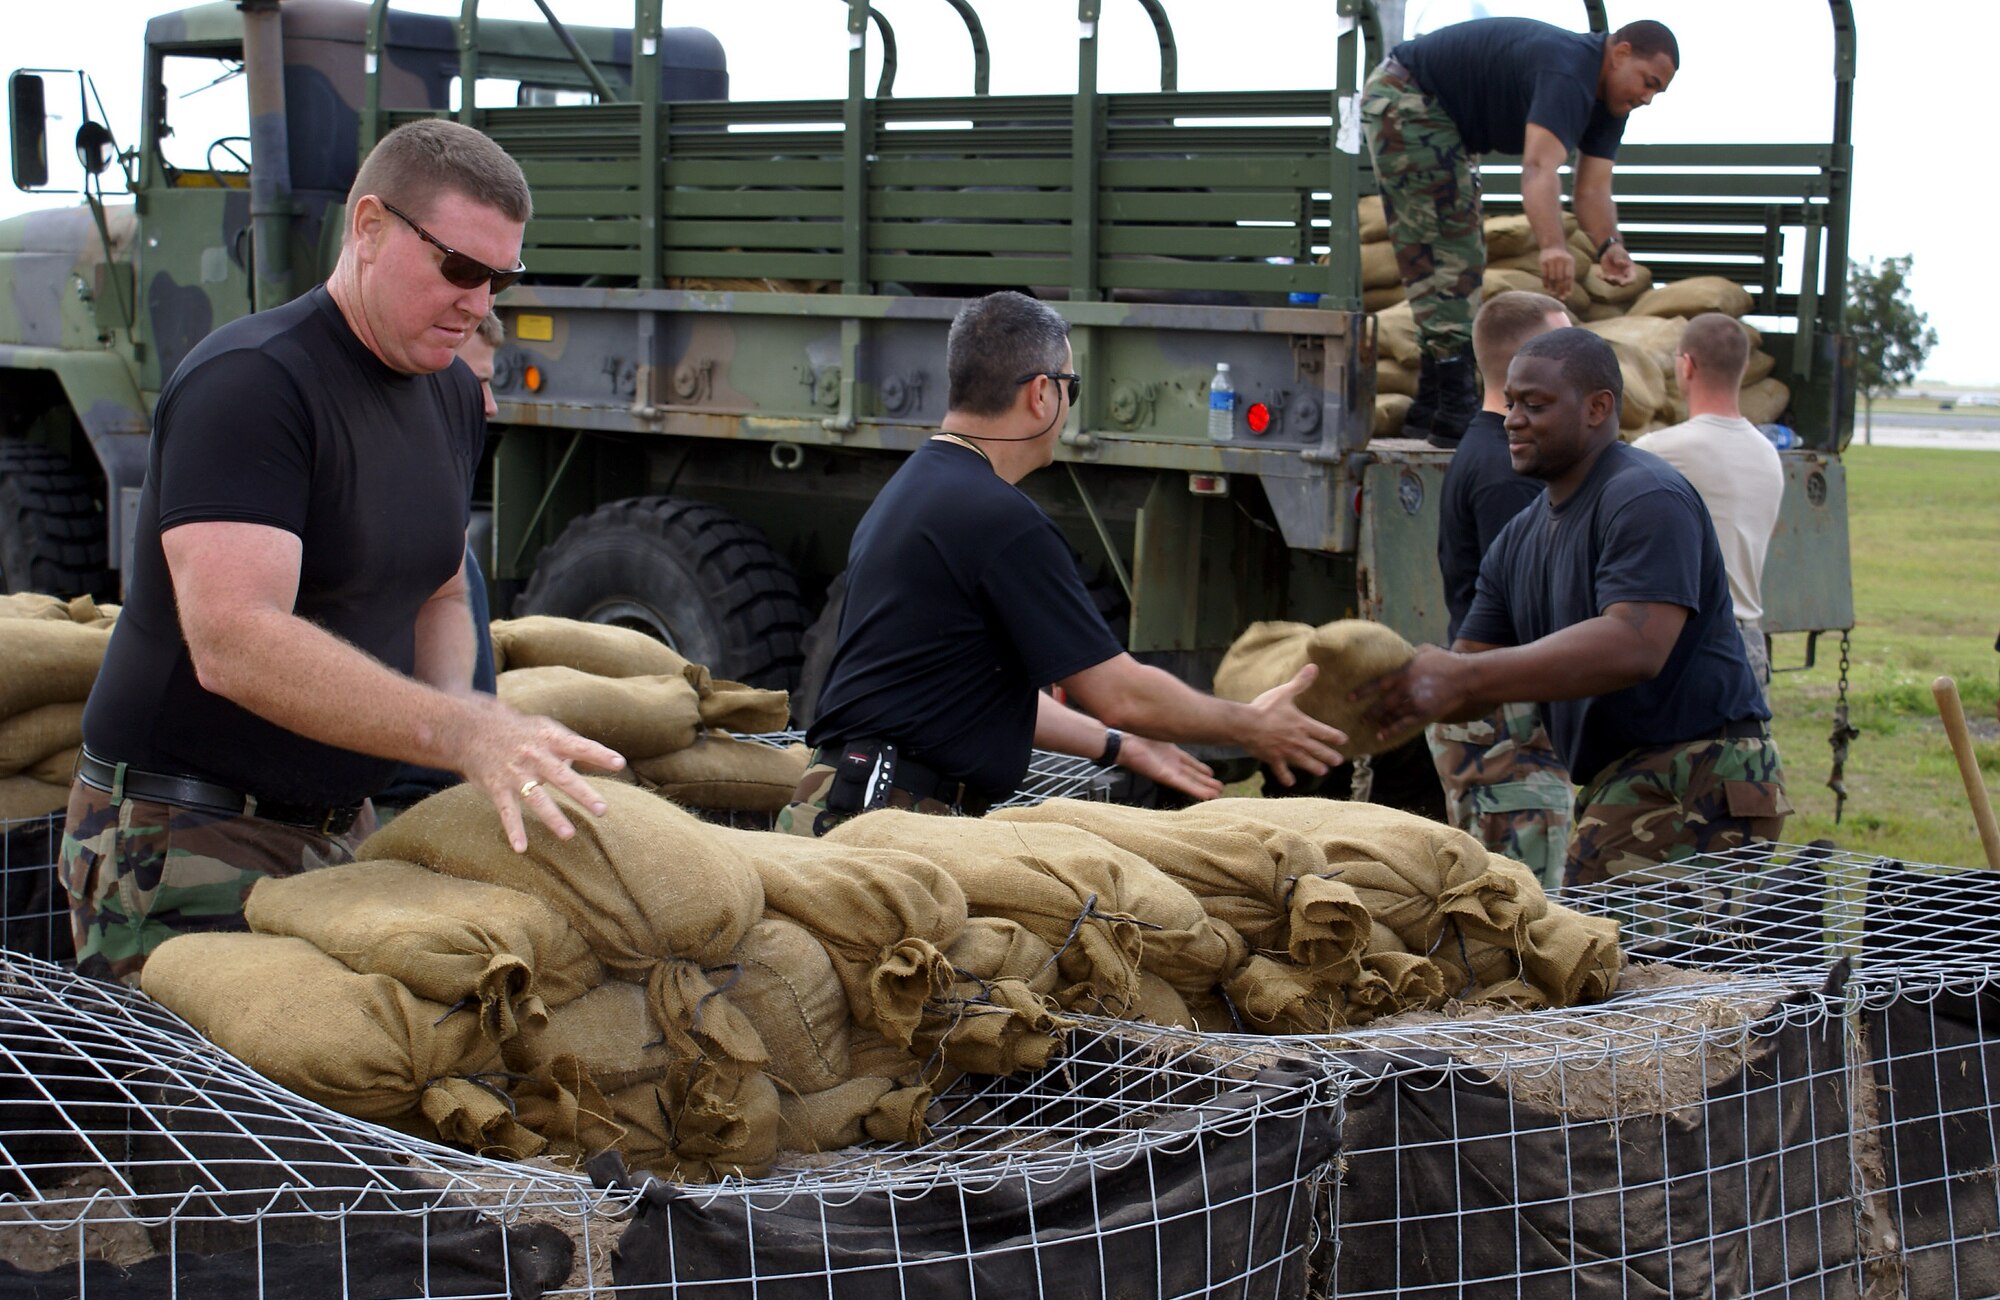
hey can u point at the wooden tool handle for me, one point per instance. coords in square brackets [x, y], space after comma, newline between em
[1953, 713]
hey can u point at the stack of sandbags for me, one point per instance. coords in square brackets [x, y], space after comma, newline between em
[1513, 262]
[51, 650]
[1349, 654]
[670, 719]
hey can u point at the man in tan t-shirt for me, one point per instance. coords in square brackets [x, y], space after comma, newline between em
[1732, 465]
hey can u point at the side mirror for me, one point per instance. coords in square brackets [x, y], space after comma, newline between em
[94, 147]
[30, 133]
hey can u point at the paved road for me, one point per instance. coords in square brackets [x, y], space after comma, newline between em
[1979, 432]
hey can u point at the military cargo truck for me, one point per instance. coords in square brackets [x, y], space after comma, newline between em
[734, 320]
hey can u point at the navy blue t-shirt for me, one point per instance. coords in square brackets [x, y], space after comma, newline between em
[963, 600]
[1494, 76]
[285, 419]
[1634, 531]
[1481, 494]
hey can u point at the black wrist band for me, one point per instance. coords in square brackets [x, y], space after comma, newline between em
[1114, 740]
[1605, 247]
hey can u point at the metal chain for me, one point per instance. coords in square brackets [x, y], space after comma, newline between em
[1843, 734]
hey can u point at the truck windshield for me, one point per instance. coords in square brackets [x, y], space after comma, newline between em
[204, 131]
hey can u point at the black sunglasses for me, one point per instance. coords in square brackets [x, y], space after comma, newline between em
[462, 271]
[1075, 381]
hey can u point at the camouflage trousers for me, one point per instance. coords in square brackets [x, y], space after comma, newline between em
[1667, 804]
[1506, 787]
[140, 872]
[1430, 196]
[808, 815]
[1756, 651]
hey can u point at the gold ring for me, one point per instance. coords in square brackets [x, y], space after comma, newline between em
[529, 787]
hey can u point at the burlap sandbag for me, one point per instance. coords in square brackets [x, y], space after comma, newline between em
[444, 939]
[1693, 296]
[1765, 401]
[1499, 280]
[565, 1108]
[1373, 221]
[656, 894]
[361, 1044]
[28, 738]
[1644, 385]
[1657, 336]
[1572, 958]
[58, 769]
[1395, 378]
[1396, 335]
[784, 984]
[47, 662]
[1159, 1003]
[1601, 311]
[701, 1123]
[1509, 236]
[1271, 996]
[543, 641]
[1384, 298]
[23, 796]
[1407, 980]
[994, 948]
[79, 609]
[1378, 266]
[856, 1111]
[1414, 875]
[1389, 413]
[640, 717]
[732, 706]
[721, 772]
[616, 1036]
[1065, 885]
[1601, 290]
[1350, 653]
[644, 883]
[994, 1027]
[884, 916]
[1759, 365]
[1264, 882]
[1531, 262]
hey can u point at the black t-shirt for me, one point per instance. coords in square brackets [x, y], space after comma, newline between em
[1634, 531]
[1493, 76]
[963, 600]
[285, 419]
[1481, 494]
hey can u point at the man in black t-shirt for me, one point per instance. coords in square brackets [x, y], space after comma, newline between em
[1503, 781]
[1607, 598]
[1498, 85]
[963, 602]
[296, 618]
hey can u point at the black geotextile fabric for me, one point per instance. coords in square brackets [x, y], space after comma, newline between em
[470, 1261]
[1936, 1063]
[34, 909]
[1450, 1189]
[1224, 1212]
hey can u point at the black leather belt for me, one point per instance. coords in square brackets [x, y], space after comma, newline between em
[122, 781]
[1745, 729]
[919, 781]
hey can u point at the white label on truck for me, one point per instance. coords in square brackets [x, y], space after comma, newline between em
[1348, 139]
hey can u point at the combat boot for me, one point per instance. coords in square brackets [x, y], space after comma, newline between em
[1459, 398]
[1417, 420]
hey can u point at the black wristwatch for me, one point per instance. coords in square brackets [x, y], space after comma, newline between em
[1114, 740]
[1605, 247]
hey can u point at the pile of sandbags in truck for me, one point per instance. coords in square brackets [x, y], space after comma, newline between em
[674, 723]
[52, 650]
[1641, 320]
[701, 998]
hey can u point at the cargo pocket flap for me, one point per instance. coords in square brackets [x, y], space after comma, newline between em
[1756, 799]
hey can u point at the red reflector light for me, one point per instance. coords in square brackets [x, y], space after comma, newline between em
[1258, 417]
[1209, 485]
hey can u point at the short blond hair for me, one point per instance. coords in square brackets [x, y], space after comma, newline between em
[492, 332]
[1717, 344]
[417, 162]
[1506, 321]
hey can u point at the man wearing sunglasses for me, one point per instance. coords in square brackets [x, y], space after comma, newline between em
[296, 619]
[964, 601]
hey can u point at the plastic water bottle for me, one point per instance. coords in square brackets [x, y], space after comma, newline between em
[1221, 405]
[1781, 436]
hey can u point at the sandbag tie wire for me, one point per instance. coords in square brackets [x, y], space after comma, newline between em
[480, 1081]
[1090, 913]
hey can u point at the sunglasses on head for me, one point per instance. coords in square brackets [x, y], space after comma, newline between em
[1075, 382]
[458, 269]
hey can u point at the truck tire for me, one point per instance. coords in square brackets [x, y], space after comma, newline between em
[52, 537]
[692, 574]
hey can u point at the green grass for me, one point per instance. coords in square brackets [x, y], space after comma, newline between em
[1925, 531]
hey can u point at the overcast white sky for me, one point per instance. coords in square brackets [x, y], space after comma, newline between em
[1756, 70]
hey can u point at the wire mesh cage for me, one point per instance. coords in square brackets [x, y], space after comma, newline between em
[34, 910]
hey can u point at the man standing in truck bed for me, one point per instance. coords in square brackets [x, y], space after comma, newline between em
[297, 617]
[963, 601]
[1498, 85]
